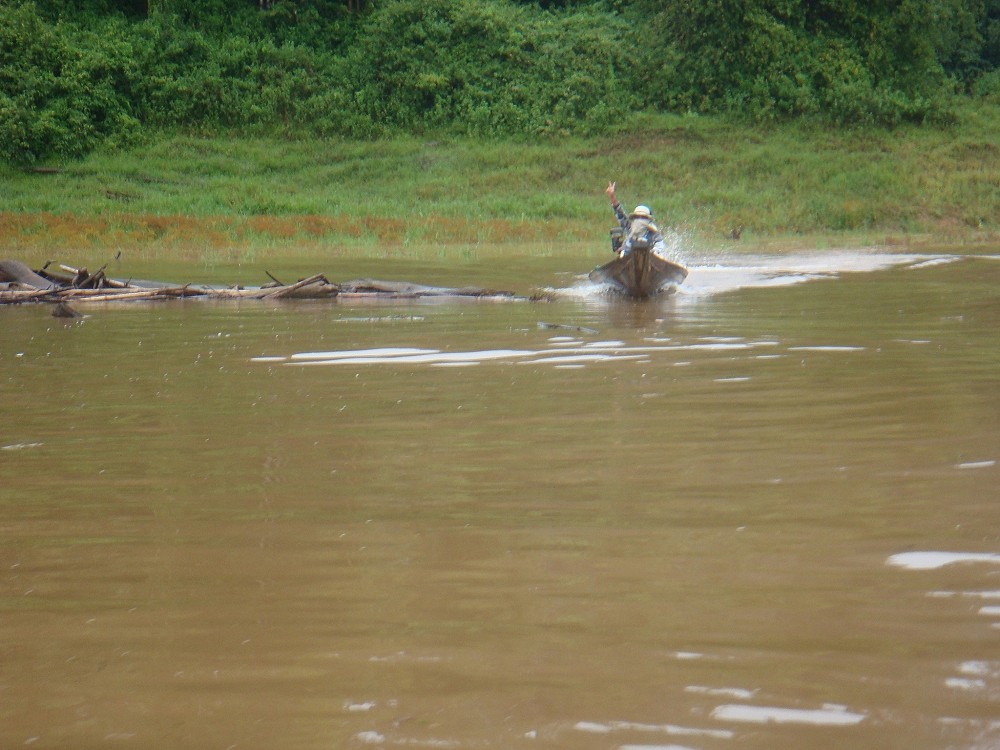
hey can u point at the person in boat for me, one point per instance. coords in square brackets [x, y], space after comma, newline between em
[638, 224]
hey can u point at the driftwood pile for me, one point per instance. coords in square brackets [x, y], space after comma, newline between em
[58, 283]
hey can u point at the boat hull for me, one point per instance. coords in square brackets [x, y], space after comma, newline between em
[640, 274]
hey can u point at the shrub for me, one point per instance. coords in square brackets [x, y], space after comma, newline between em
[62, 90]
[849, 63]
[489, 68]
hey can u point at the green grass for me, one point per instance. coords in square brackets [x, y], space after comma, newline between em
[181, 196]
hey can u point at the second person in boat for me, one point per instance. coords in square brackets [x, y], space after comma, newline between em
[636, 226]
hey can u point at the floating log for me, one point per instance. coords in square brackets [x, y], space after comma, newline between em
[107, 295]
[25, 285]
[288, 291]
[19, 273]
[274, 281]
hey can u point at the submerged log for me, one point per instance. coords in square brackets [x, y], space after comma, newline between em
[407, 289]
[62, 310]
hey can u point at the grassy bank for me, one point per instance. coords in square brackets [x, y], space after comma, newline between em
[181, 197]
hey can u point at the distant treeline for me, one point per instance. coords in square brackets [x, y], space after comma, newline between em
[75, 75]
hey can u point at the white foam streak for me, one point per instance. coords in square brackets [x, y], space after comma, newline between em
[577, 358]
[20, 446]
[976, 465]
[964, 683]
[597, 351]
[935, 560]
[966, 594]
[741, 693]
[826, 348]
[380, 353]
[561, 352]
[827, 716]
[594, 727]
[980, 668]
[716, 276]
[935, 262]
[431, 356]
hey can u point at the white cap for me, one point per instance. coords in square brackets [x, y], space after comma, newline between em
[642, 212]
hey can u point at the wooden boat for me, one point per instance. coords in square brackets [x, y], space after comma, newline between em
[640, 274]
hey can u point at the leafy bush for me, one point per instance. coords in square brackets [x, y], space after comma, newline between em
[988, 85]
[61, 91]
[846, 62]
[489, 68]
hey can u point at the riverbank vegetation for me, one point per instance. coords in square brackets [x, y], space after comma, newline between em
[250, 126]
[189, 196]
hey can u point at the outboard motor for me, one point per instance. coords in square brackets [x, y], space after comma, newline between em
[617, 238]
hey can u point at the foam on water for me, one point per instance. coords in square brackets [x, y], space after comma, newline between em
[20, 446]
[729, 692]
[935, 262]
[429, 356]
[827, 716]
[977, 464]
[561, 359]
[594, 727]
[688, 655]
[980, 668]
[967, 594]
[382, 352]
[964, 683]
[561, 351]
[717, 274]
[826, 348]
[935, 560]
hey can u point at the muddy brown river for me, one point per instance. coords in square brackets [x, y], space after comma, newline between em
[763, 514]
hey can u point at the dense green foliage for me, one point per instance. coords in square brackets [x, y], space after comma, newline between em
[106, 70]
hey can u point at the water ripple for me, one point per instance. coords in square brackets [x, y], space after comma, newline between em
[561, 351]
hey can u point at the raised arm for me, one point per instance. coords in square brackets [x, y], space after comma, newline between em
[617, 207]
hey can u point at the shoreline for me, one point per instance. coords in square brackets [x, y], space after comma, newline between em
[38, 236]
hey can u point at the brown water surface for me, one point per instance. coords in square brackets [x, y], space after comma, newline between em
[706, 522]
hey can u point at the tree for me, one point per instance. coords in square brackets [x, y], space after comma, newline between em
[853, 61]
